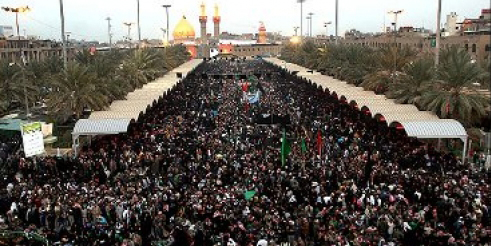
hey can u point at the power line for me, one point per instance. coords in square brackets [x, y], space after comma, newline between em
[57, 29]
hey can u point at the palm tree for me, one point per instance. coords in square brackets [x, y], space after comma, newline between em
[74, 90]
[390, 63]
[105, 69]
[454, 94]
[415, 80]
[17, 84]
[174, 56]
[7, 75]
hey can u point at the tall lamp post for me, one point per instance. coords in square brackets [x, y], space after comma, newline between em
[337, 20]
[326, 25]
[308, 25]
[108, 19]
[311, 18]
[167, 6]
[396, 14]
[138, 22]
[301, 16]
[296, 30]
[163, 32]
[437, 38]
[128, 25]
[63, 38]
[21, 53]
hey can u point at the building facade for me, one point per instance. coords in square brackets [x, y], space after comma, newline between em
[33, 50]
[249, 50]
[478, 46]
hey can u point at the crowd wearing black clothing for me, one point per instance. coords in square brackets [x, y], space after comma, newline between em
[180, 174]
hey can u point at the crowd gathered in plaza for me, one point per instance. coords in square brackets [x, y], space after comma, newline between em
[199, 167]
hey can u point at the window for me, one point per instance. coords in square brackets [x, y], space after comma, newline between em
[466, 47]
[486, 48]
[474, 48]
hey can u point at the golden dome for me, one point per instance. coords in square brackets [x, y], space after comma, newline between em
[183, 30]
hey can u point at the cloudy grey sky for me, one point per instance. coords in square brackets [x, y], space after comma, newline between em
[85, 18]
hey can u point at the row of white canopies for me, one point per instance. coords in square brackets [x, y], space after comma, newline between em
[419, 124]
[118, 116]
[416, 123]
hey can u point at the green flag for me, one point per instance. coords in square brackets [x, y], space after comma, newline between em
[285, 148]
[303, 146]
[249, 194]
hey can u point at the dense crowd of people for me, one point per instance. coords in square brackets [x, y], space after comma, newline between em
[198, 169]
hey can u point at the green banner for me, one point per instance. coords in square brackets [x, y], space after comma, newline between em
[249, 194]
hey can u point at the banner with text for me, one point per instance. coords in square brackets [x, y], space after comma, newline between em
[32, 138]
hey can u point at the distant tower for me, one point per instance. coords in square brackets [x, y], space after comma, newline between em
[216, 21]
[262, 34]
[451, 25]
[202, 20]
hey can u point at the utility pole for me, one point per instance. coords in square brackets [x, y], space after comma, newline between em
[438, 33]
[63, 38]
[167, 6]
[108, 19]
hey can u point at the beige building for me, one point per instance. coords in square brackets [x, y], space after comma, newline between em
[478, 46]
[472, 35]
[247, 50]
[33, 50]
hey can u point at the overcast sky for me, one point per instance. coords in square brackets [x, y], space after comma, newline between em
[85, 19]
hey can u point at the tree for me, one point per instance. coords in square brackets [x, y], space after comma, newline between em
[74, 90]
[415, 80]
[390, 63]
[173, 56]
[17, 83]
[454, 94]
[7, 75]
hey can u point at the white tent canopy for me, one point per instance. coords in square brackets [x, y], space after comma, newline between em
[419, 124]
[435, 129]
[100, 127]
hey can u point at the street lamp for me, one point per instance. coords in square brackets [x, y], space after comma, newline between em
[108, 19]
[167, 6]
[337, 20]
[22, 58]
[311, 18]
[138, 22]
[326, 25]
[301, 16]
[17, 11]
[296, 29]
[437, 38]
[62, 18]
[396, 14]
[68, 37]
[163, 37]
[308, 25]
[128, 25]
